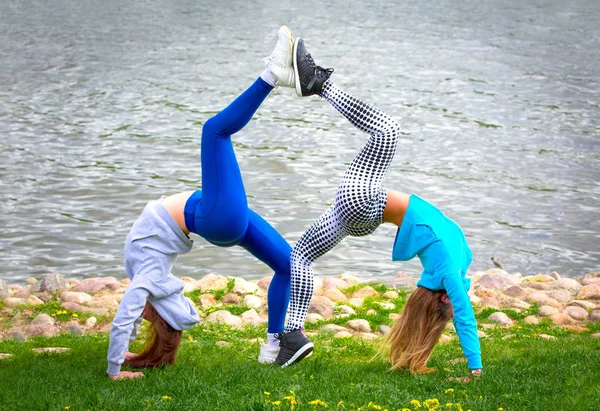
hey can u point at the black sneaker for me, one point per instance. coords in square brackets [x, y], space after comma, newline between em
[309, 76]
[294, 346]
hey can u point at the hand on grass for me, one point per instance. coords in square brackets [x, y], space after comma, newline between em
[126, 375]
[473, 376]
[130, 355]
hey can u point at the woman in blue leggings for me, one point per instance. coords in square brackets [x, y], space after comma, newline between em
[218, 213]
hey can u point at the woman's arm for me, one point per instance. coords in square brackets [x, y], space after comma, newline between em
[464, 319]
[130, 309]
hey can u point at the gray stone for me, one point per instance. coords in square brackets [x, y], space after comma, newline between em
[14, 302]
[231, 298]
[384, 329]
[401, 283]
[18, 336]
[576, 313]
[359, 325]
[333, 328]
[3, 289]
[587, 292]
[344, 309]
[252, 301]
[497, 280]
[335, 295]
[322, 306]
[342, 334]
[538, 286]
[212, 282]
[531, 319]
[94, 285]
[562, 296]
[547, 311]
[75, 297]
[52, 283]
[72, 306]
[43, 319]
[595, 316]
[90, 322]
[243, 287]
[313, 318]
[547, 337]
[516, 303]
[45, 330]
[501, 319]
[75, 330]
[49, 350]
[566, 284]
[515, 291]
[364, 292]
[368, 336]
[587, 305]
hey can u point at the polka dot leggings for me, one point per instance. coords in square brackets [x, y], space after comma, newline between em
[359, 201]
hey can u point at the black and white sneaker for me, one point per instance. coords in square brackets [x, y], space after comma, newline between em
[294, 346]
[309, 77]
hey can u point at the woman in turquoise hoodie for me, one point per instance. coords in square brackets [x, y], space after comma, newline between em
[361, 205]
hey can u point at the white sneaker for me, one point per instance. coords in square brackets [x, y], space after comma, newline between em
[267, 354]
[280, 62]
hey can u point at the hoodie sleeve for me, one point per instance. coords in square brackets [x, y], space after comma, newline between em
[464, 319]
[123, 325]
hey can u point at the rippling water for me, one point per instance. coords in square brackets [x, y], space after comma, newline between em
[101, 107]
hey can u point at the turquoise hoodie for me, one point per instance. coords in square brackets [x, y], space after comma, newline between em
[445, 255]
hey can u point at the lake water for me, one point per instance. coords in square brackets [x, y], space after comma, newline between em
[102, 104]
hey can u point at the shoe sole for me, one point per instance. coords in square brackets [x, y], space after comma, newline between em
[296, 76]
[300, 354]
[264, 360]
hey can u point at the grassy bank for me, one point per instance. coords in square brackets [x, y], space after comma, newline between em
[522, 372]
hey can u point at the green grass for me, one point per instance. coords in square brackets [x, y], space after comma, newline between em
[522, 372]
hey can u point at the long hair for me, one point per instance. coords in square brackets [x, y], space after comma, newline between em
[417, 330]
[162, 342]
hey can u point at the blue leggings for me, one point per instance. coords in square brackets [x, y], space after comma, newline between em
[219, 212]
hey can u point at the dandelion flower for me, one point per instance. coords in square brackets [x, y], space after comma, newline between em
[275, 402]
[166, 398]
[267, 393]
[318, 402]
[415, 403]
[449, 390]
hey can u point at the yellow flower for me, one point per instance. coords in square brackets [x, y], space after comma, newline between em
[415, 403]
[500, 409]
[75, 315]
[340, 403]
[449, 390]
[166, 398]
[67, 407]
[267, 393]
[318, 402]
[405, 409]
[275, 402]
[449, 405]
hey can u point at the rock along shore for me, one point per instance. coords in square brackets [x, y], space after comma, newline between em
[55, 305]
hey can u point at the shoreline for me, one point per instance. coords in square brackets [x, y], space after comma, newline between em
[55, 304]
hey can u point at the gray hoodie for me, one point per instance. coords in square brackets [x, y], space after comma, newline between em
[151, 249]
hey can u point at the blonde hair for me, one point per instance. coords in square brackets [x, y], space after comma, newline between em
[162, 342]
[418, 329]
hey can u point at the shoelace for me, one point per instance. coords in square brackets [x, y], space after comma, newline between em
[279, 337]
[320, 72]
